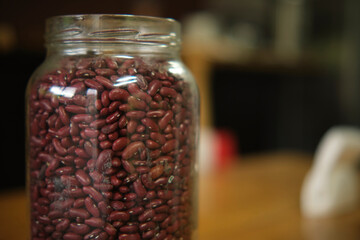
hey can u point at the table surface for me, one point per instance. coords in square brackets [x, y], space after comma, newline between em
[256, 198]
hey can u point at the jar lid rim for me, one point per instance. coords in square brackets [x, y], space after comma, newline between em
[112, 28]
[115, 15]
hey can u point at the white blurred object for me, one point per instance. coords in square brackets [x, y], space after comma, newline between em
[331, 186]
[206, 150]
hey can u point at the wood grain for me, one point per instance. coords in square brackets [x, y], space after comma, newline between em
[257, 198]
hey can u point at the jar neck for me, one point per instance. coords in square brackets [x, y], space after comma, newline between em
[112, 34]
[111, 49]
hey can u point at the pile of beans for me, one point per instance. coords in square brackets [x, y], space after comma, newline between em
[111, 151]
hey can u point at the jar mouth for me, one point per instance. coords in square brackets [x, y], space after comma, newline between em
[113, 28]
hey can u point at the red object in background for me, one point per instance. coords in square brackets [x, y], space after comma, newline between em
[226, 149]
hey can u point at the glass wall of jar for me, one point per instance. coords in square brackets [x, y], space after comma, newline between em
[112, 128]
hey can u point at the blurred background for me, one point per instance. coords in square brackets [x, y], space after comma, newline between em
[274, 76]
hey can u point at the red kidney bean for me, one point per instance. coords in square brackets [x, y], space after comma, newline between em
[162, 209]
[154, 203]
[81, 153]
[79, 228]
[55, 214]
[102, 80]
[79, 203]
[105, 101]
[63, 224]
[62, 205]
[122, 121]
[94, 85]
[132, 149]
[165, 194]
[104, 158]
[114, 117]
[149, 234]
[84, 63]
[110, 229]
[63, 132]
[174, 227]
[103, 187]
[119, 215]
[168, 92]
[81, 213]
[96, 176]
[58, 147]
[156, 171]
[104, 112]
[72, 236]
[111, 63]
[120, 143]
[75, 109]
[118, 94]
[139, 188]
[129, 229]
[135, 115]
[63, 115]
[130, 197]
[125, 107]
[91, 207]
[56, 235]
[109, 128]
[142, 169]
[158, 137]
[161, 235]
[150, 124]
[93, 234]
[113, 136]
[79, 100]
[154, 86]
[83, 177]
[136, 103]
[163, 160]
[166, 223]
[105, 144]
[128, 166]
[73, 192]
[64, 171]
[95, 222]
[128, 204]
[147, 226]
[165, 119]
[136, 211]
[169, 145]
[143, 84]
[85, 118]
[117, 205]
[147, 215]
[112, 161]
[140, 128]
[78, 86]
[98, 123]
[94, 194]
[136, 92]
[150, 144]
[125, 236]
[104, 208]
[84, 73]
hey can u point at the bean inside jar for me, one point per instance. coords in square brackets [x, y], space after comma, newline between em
[111, 150]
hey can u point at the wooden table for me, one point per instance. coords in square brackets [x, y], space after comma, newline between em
[257, 198]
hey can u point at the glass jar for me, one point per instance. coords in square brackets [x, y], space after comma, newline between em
[112, 129]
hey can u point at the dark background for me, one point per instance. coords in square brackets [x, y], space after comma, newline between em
[267, 106]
